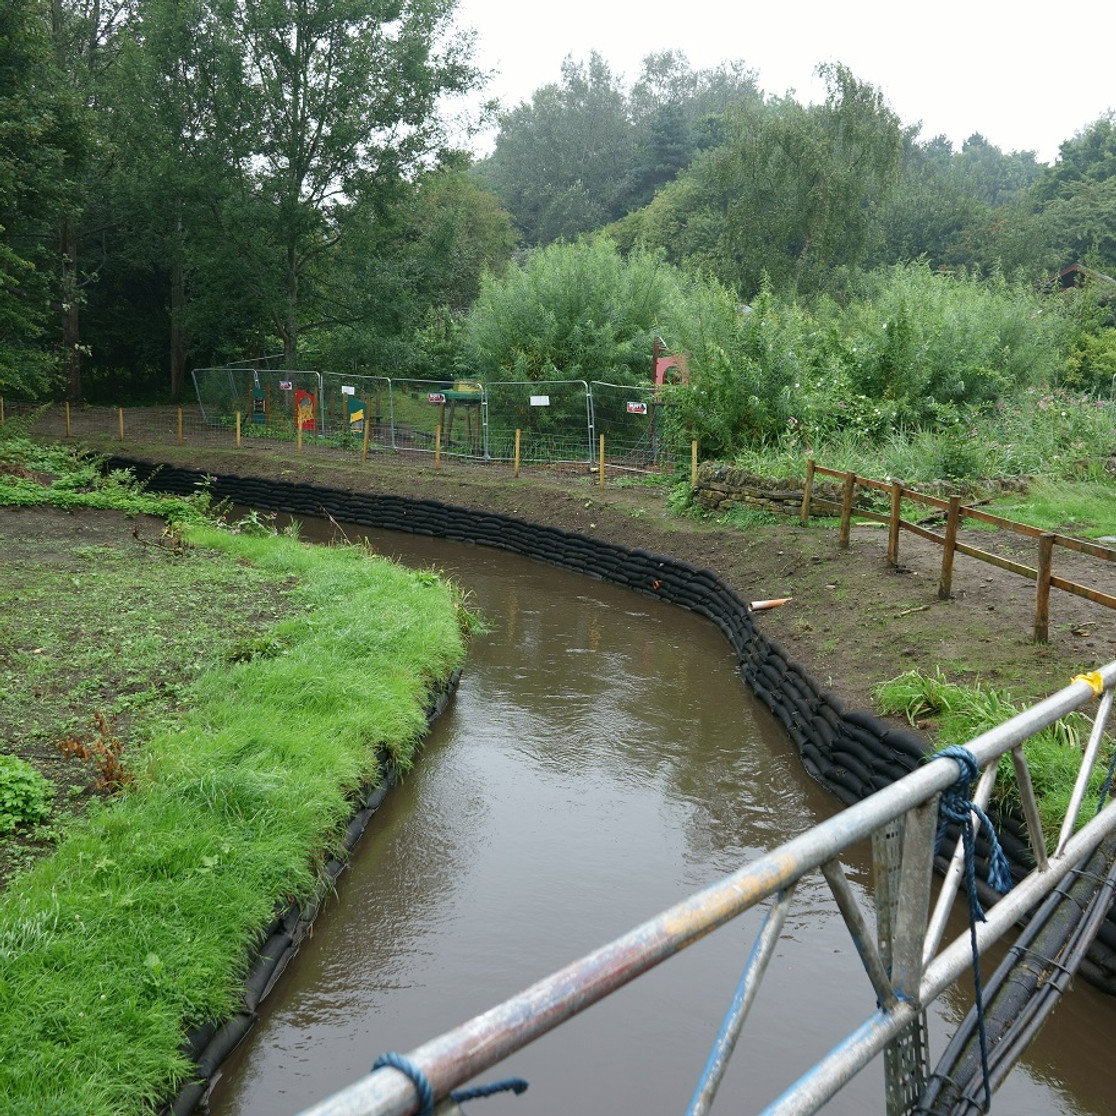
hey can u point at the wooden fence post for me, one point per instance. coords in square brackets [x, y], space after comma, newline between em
[238, 430]
[120, 421]
[367, 430]
[438, 445]
[180, 426]
[600, 463]
[67, 418]
[846, 511]
[1042, 588]
[945, 582]
[893, 524]
[517, 435]
[807, 493]
[693, 463]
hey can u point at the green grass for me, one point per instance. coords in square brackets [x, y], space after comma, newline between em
[955, 714]
[140, 923]
[1086, 509]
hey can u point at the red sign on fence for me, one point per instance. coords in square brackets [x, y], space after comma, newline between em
[436, 397]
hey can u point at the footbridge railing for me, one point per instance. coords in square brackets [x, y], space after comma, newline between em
[907, 966]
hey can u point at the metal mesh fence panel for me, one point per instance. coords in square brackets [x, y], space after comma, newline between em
[357, 411]
[419, 407]
[273, 403]
[552, 416]
[637, 426]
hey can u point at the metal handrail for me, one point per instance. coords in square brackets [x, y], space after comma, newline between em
[455, 1057]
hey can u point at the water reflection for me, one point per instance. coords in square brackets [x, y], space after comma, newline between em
[600, 761]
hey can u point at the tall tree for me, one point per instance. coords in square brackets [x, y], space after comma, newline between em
[343, 105]
[794, 193]
[86, 36]
[178, 123]
[35, 132]
[561, 161]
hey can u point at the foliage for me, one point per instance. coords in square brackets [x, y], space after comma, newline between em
[959, 713]
[139, 923]
[24, 794]
[584, 151]
[794, 191]
[571, 311]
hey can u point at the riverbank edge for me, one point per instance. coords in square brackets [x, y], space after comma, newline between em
[207, 1047]
[851, 752]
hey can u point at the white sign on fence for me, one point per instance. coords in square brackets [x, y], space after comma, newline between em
[637, 408]
[348, 389]
[436, 397]
[285, 385]
[540, 400]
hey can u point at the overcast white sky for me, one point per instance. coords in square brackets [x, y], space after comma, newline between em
[1027, 76]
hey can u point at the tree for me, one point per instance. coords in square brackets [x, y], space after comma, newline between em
[30, 139]
[343, 105]
[178, 126]
[86, 37]
[561, 162]
[795, 192]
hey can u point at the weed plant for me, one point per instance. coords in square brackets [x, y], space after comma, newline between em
[141, 923]
[956, 714]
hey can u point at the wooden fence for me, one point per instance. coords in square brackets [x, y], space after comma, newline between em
[955, 512]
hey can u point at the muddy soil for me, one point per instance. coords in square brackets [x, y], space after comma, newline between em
[853, 621]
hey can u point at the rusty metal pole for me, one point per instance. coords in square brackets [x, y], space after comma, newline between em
[945, 582]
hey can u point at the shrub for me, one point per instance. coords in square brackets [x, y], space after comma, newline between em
[24, 794]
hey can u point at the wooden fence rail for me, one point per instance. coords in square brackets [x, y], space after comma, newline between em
[955, 512]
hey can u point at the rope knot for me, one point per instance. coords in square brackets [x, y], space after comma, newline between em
[957, 806]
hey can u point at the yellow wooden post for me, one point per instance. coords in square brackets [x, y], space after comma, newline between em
[438, 447]
[600, 462]
[67, 418]
[238, 430]
[367, 427]
[693, 463]
[120, 421]
[517, 434]
[299, 446]
[180, 426]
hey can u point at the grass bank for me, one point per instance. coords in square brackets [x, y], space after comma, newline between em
[236, 779]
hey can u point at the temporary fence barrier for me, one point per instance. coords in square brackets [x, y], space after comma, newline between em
[554, 418]
[271, 403]
[637, 425]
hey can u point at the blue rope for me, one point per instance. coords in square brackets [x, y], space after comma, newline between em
[511, 1084]
[426, 1093]
[407, 1067]
[956, 806]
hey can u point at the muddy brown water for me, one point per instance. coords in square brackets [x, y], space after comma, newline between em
[600, 761]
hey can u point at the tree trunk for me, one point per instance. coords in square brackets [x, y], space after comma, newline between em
[71, 318]
[177, 316]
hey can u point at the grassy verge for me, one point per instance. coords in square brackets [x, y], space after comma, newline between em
[139, 924]
[955, 714]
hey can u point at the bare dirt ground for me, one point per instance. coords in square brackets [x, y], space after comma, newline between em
[853, 622]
